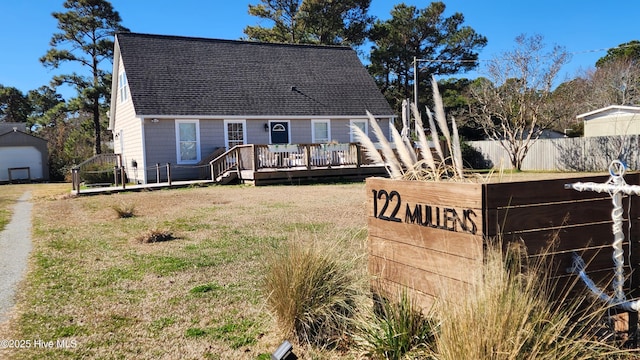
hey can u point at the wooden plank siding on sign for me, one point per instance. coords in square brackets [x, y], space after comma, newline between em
[430, 237]
[423, 255]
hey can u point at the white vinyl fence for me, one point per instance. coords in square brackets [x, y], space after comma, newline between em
[567, 154]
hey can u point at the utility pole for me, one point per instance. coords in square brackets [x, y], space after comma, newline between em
[415, 80]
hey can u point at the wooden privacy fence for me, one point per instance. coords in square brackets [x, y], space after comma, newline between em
[430, 236]
[568, 154]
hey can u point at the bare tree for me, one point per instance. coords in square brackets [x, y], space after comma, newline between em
[511, 105]
[567, 102]
[616, 82]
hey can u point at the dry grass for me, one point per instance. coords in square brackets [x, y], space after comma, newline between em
[314, 292]
[124, 211]
[511, 316]
[154, 236]
[9, 194]
[90, 280]
[197, 297]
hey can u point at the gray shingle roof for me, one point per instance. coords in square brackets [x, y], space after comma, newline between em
[170, 75]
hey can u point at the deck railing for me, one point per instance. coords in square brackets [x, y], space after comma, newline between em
[101, 166]
[243, 157]
[307, 155]
[286, 156]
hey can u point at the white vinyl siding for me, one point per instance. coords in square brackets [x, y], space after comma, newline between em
[188, 141]
[320, 131]
[128, 131]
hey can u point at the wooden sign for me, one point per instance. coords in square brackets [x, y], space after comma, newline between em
[428, 236]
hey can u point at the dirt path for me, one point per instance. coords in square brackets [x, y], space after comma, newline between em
[15, 245]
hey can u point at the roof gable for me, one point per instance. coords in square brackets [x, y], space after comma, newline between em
[170, 75]
[23, 136]
[610, 110]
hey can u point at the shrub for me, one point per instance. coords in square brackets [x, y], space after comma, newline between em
[313, 293]
[473, 158]
[153, 236]
[507, 314]
[97, 173]
[398, 328]
[124, 210]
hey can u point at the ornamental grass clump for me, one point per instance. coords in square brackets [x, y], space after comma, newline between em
[399, 155]
[313, 292]
[154, 236]
[508, 314]
[124, 211]
[396, 329]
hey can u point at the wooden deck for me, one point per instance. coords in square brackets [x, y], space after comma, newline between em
[258, 165]
[293, 176]
[138, 187]
[303, 175]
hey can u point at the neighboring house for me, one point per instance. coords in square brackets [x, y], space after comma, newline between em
[552, 134]
[23, 157]
[611, 120]
[178, 99]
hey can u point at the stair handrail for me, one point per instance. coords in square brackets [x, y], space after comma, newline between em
[227, 162]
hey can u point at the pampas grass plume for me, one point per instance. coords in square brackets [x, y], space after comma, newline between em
[425, 149]
[390, 157]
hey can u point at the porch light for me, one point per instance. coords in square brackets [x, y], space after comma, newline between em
[266, 127]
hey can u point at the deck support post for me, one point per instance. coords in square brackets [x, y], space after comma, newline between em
[307, 155]
[75, 180]
[255, 157]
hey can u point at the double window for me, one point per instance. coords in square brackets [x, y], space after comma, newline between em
[188, 141]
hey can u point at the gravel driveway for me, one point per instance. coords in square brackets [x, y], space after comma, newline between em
[15, 244]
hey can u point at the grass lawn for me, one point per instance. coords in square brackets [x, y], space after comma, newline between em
[10, 193]
[97, 291]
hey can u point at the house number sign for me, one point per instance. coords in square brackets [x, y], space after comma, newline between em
[388, 206]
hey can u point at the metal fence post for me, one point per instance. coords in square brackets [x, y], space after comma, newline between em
[169, 173]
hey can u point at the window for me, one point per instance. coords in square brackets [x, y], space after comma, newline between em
[320, 131]
[123, 87]
[362, 124]
[188, 141]
[235, 133]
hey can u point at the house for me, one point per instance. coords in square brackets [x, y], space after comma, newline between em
[551, 134]
[23, 157]
[180, 100]
[611, 120]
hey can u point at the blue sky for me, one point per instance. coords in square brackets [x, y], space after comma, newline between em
[585, 27]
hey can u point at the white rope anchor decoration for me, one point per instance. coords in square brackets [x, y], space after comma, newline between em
[615, 187]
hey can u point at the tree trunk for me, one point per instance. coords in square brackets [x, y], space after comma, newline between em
[96, 125]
